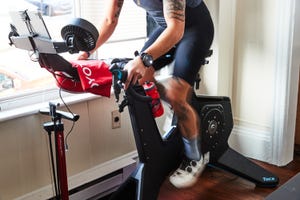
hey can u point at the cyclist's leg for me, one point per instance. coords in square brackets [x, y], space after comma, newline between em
[189, 56]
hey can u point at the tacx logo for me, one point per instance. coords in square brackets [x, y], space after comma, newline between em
[268, 179]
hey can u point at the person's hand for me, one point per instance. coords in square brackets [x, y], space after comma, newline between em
[148, 76]
[83, 55]
[136, 70]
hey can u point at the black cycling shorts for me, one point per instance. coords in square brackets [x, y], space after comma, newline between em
[189, 54]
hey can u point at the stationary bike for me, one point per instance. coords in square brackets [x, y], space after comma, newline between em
[158, 155]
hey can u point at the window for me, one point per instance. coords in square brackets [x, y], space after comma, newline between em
[21, 78]
[19, 75]
[130, 32]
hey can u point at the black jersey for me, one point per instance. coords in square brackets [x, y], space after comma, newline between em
[155, 8]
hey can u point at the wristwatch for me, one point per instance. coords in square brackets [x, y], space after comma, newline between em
[147, 59]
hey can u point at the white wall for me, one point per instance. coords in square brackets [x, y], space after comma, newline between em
[25, 165]
[253, 65]
[253, 77]
[255, 52]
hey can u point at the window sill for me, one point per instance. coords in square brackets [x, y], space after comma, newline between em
[10, 111]
[34, 108]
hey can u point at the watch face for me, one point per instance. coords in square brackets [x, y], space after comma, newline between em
[147, 59]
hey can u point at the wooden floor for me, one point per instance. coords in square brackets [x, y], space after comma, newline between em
[218, 185]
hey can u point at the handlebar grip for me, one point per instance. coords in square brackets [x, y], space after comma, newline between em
[66, 115]
[124, 76]
[120, 76]
[69, 116]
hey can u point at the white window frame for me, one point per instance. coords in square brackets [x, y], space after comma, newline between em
[28, 103]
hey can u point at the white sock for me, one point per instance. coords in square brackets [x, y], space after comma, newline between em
[191, 148]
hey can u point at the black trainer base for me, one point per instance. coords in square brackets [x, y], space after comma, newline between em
[217, 123]
[160, 155]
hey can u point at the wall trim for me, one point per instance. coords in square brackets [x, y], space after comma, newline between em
[285, 102]
[251, 142]
[86, 176]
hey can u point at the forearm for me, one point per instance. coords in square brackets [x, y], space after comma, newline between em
[109, 22]
[105, 32]
[174, 12]
[168, 38]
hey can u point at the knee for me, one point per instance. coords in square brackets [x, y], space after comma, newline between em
[177, 102]
[177, 93]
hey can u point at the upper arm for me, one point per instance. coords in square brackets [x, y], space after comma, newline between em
[113, 11]
[174, 13]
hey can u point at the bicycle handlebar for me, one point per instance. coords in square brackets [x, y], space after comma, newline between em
[120, 76]
[60, 114]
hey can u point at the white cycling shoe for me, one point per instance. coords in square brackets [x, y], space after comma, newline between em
[189, 171]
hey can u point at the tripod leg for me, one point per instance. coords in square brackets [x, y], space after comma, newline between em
[52, 166]
[61, 163]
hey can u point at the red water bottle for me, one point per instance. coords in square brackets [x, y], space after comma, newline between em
[156, 105]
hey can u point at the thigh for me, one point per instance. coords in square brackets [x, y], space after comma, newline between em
[197, 40]
[191, 53]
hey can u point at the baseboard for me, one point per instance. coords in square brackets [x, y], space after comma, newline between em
[86, 176]
[252, 143]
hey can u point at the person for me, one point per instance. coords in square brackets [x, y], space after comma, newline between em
[185, 31]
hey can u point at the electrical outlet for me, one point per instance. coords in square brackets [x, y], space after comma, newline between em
[115, 119]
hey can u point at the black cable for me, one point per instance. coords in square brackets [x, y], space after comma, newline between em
[73, 123]
[67, 107]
